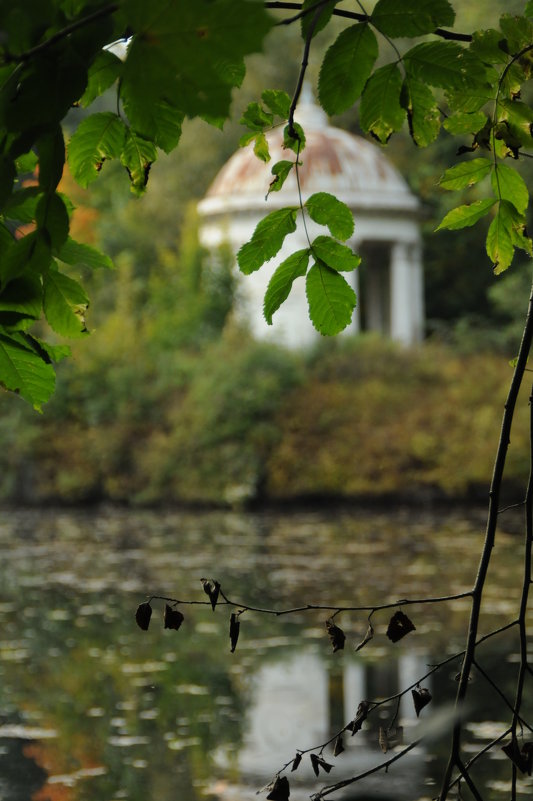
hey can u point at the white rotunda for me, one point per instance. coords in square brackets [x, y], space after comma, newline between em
[388, 283]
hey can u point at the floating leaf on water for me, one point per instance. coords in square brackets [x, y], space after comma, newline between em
[399, 626]
[360, 716]
[143, 615]
[234, 626]
[212, 589]
[172, 618]
[338, 748]
[368, 636]
[280, 790]
[296, 761]
[421, 698]
[336, 635]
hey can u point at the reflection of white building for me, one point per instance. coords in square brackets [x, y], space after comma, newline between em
[389, 283]
[297, 703]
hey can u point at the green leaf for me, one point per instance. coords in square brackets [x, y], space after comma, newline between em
[338, 257]
[509, 185]
[261, 147]
[325, 15]
[52, 216]
[423, 114]
[499, 244]
[466, 216]
[465, 174]
[445, 65]
[326, 209]
[465, 123]
[331, 299]
[103, 73]
[30, 254]
[518, 32]
[256, 118]
[23, 297]
[282, 280]
[50, 353]
[27, 163]
[397, 18]
[51, 150]
[346, 67]
[65, 304]
[22, 204]
[267, 239]
[24, 372]
[528, 11]
[277, 101]
[295, 143]
[99, 137]
[280, 170]
[137, 157]
[486, 45]
[78, 254]
[381, 113]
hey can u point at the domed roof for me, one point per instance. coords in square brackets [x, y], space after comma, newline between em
[335, 161]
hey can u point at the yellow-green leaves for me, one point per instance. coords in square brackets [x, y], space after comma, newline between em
[381, 113]
[466, 215]
[346, 67]
[466, 174]
[65, 304]
[99, 137]
[24, 371]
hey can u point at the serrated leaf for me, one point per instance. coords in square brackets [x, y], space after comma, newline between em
[444, 64]
[338, 257]
[331, 299]
[423, 114]
[65, 304]
[326, 209]
[24, 372]
[325, 15]
[261, 147]
[517, 30]
[99, 137]
[487, 45]
[509, 185]
[77, 253]
[381, 113]
[397, 18]
[280, 170]
[465, 174]
[282, 280]
[294, 140]
[137, 157]
[256, 118]
[499, 244]
[346, 68]
[51, 215]
[277, 101]
[267, 239]
[103, 73]
[466, 216]
[465, 122]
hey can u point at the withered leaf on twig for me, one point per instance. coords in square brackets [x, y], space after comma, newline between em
[172, 618]
[368, 636]
[318, 762]
[338, 748]
[212, 589]
[360, 717]
[280, 790]
[421, 698]
[336, 635]
[234, 626]
[296, 761]
[390, 737]
[399, 626]
[143, 615]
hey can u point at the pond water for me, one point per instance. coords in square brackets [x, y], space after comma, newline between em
[94, 709]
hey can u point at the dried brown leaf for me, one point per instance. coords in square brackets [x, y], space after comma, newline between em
[518, 757]
[318, 762]
[390, 737]
[212, 589]
[421, 698]
[296, 761]
[143, 615]
[280, 790]
[368, 636]
[172, 618]
[338, 748]
[399, 626]
[336, 635]
[360, 716]
[234, 627]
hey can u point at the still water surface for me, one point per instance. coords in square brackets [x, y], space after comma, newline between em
[94, 709]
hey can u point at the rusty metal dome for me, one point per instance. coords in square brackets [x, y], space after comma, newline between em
[336, 161]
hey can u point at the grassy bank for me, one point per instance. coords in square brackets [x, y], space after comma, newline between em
[239, 421]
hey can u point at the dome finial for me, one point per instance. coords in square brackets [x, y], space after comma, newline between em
[308, 113]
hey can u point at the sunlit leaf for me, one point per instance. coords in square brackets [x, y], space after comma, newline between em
[468, 215]
[444, 64]
[465, 122]
[280, 170]
[267, 239]
[23, 371]
[78, 253]
[282, 280]
[499, 244]
[277, 101]
[99, 137]
[137, 157]
[509, 185]
[261, 149]
[466, 174]
[326, 209]
[65, 304]
[294, 139]
[103, 73]
[338, 257]
[381, 113]
[256, 118]
[331, 299]
[423, 113]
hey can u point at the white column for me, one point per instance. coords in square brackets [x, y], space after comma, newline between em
[403, 304]
[419, 312]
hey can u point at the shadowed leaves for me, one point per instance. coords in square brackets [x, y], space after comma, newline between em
[338, 748]
[399, 626]
[360, 716]
[318, 763]
[336, 635]
[280, 790]
[143, 615]
[212, 589]
[421, 698]
[234, 628]
[296, 762]
[172, 618]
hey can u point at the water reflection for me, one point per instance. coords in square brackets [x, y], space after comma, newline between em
[91, 708]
